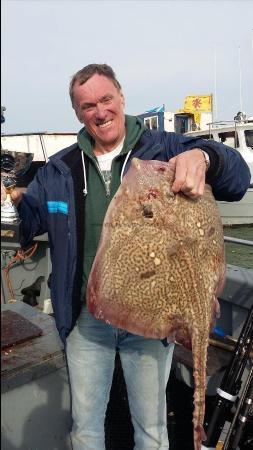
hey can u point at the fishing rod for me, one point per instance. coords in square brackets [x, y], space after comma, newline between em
[230, 385]
[241, 416]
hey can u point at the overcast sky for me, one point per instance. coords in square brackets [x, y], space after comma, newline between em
[161, 51]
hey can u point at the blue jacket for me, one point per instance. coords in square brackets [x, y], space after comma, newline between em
[54, 203]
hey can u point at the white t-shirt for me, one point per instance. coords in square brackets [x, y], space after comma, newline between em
[105, 164]
[105, 161]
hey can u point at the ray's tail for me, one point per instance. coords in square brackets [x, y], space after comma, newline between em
[199, 351]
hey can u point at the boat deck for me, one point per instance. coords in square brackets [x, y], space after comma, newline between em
[36, 397]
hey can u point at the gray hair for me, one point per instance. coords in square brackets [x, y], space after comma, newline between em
[87, 72]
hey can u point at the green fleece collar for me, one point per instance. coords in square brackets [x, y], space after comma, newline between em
[134, 130]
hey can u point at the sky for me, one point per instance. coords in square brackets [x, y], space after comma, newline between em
[160, 50]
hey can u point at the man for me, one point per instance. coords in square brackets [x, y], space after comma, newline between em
[68, 198]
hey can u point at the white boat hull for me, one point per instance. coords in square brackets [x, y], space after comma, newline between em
[238, 213]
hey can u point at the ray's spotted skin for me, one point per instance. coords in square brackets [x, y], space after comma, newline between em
[160, 266]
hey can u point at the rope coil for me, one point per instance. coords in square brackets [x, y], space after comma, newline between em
[20, 256]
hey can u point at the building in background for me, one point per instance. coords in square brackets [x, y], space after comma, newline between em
[196, 114]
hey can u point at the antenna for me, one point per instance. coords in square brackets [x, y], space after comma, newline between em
[215, 87]
[240, 77]
[252, 46]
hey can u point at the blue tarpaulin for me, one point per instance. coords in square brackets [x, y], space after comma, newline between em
[160, 108]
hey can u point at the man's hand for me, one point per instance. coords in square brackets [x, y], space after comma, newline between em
[16, 194]
[190, 173]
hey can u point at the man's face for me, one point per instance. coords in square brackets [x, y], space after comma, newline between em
[99, 105]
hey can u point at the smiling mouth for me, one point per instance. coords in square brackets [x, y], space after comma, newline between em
[105, 124]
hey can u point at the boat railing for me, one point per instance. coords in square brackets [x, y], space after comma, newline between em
[240, 118]
[234, 240]
[222, 123]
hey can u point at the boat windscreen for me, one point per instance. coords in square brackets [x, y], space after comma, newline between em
[249, 138]
[229, 138]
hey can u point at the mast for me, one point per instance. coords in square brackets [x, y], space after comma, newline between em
[215, 88]
[240, 77]
[252, 52]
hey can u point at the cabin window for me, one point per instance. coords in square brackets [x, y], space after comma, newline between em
[229, 138]
[151, 122]
[249, 138]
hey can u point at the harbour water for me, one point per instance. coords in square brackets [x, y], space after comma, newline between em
[237, 254]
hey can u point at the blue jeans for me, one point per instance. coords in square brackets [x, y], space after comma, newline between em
[146, 363]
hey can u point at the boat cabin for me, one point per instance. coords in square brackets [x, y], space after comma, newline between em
[235, 134]
[179, 122]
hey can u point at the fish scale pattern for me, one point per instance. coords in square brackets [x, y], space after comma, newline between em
[160, 266]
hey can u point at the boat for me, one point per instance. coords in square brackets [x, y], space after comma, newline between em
[237, 134]
[41, 143]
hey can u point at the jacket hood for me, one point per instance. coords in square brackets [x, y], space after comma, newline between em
[134, 129]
